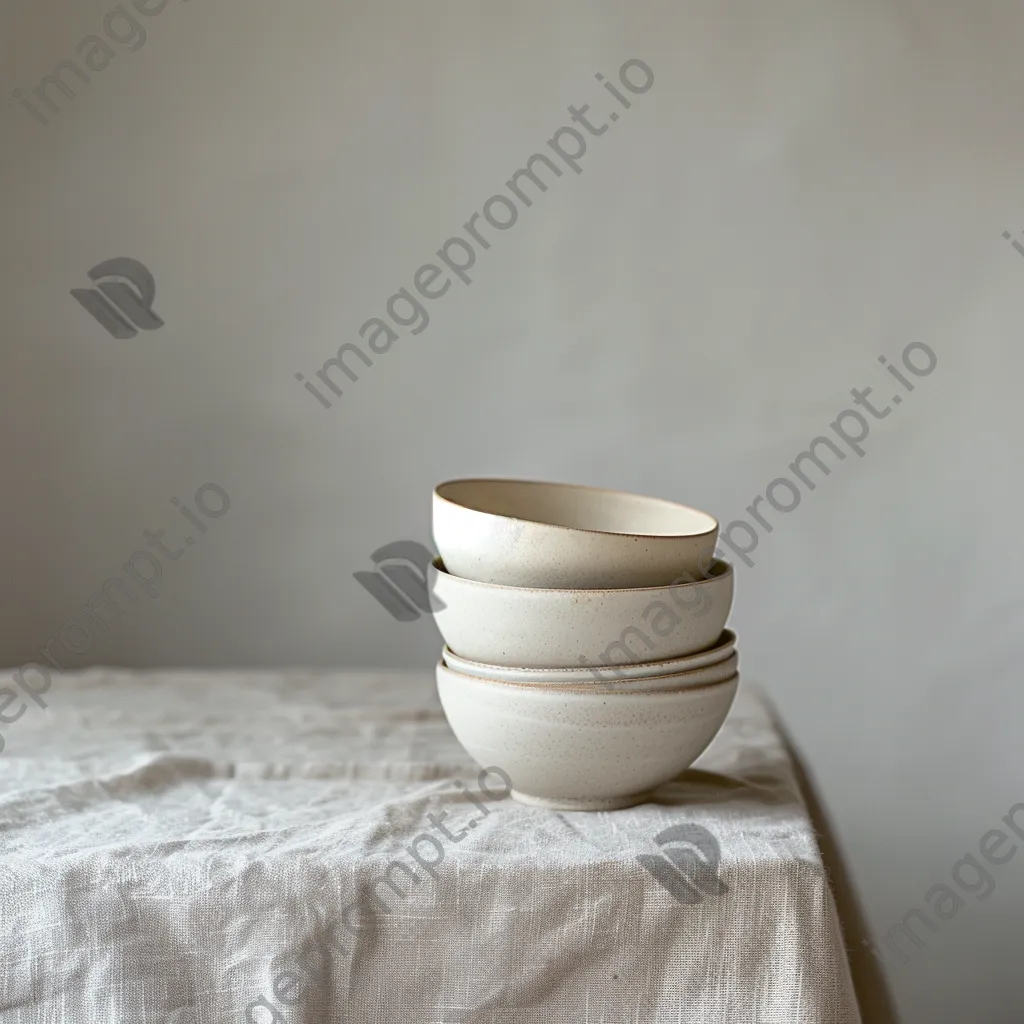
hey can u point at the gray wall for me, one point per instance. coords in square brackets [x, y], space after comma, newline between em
[806, 187]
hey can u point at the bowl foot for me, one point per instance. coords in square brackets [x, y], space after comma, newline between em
[612, 803]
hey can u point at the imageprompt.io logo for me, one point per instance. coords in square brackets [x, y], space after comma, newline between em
[690, 872]
[121, 309]
[399, 582]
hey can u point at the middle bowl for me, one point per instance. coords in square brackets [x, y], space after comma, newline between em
[544, 628]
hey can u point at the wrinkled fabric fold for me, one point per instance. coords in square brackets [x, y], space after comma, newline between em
[222, 847]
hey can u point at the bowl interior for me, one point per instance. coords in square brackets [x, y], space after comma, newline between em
[579, 508]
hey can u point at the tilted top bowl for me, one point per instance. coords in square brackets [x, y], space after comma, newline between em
[523, 533]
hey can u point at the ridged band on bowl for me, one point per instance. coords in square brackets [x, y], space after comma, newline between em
[709, 675]
[599, 672]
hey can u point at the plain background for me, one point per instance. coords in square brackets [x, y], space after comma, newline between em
[807, 186]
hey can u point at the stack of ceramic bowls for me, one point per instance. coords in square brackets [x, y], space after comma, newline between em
[586, 651]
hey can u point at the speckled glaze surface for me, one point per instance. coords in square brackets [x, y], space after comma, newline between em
[525, 533]
[581, 751]
[721, 650]
[544, 628]
[608, 683]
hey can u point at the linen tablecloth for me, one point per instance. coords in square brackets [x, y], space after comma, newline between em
[313, 847]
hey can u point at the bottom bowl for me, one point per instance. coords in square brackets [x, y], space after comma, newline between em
[581, 751]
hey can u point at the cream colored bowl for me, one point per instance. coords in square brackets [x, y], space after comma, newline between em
[599, 672]
[542, 628]
[523, 533]
[582, 751]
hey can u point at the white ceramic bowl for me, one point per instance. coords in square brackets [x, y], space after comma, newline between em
[581, 751]
[722, 650]
[523, 533]
[543, 628]
[705, 676]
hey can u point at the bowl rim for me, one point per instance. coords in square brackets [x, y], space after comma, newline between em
[713, 528]
[553, 693]
[633, 684]
[727, 570]
[719, 645]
